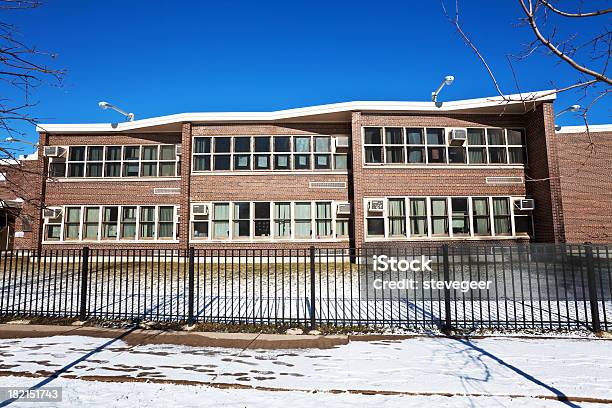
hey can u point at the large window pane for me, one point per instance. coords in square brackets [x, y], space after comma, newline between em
[76, 153]
[435, 136]
[418, 217]
[222, 144]
[282, 144]
[128, 222]
[91, 220]
[282, 220]
[501, 216]
[460, 216]
[242, 220]
[242, 144]
[482, 220]
[262, 144]
[202, 145]
[302, 144]
[495, 137]
[110, 216]
[397, 217]
[262, 219]
[439, 216]
[414, 136]
[165, 225]
[323, 221]
[373, 135]
[302, 220]
[475, 136]
[393, 136]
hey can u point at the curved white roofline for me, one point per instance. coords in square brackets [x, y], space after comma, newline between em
[391, 106]
[582, 129]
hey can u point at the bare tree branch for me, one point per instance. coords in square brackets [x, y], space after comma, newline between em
[566, 14]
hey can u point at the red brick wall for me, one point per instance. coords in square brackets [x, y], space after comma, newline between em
[429, 180]
[585, 163]
[542, 176]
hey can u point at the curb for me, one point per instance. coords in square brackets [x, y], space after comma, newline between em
[194, 339]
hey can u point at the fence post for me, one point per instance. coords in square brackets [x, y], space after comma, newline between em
[191, 285]
[446, 327]
[592, 287]
[84, 273]
[312, 287]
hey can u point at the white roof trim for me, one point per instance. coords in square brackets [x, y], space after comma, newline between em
[582, 129]
[303, 112]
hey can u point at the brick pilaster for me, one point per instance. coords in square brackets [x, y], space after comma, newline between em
[185, 186]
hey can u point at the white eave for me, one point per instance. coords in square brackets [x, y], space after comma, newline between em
[335, 112]
[583, 129]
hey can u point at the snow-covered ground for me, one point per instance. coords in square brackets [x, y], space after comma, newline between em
[432, 371]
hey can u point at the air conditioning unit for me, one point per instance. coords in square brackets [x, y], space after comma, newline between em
[525, 204]
[179, 149]
[53, 151]
[343, 209]
[50, 213]
[457, 136]
[376, 205]
[342, 141]
[199, 209]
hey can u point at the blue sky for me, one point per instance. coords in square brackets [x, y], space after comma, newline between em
[157, 58]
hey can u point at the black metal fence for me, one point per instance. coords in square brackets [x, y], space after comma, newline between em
[540, 286]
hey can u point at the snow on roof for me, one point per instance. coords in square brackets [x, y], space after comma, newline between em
[517, 103]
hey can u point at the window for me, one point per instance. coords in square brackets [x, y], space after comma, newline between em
[342, 228]
[282, 146]
[439, 216]
[201, 154]
[323, 221]
[394, 142]
[257, 153]
[110, 216]
[221, 157]
[501, 216]
[147, 222]
[113, 162]
[131, 166]
[523, 223]
[322, 157]
[340, 161]
[242, 153]
[302, 160]
[397, 217]
[128, 222]
[95, 160]
[386, 145]
[416, 145]
[375, 224]
[76, 161]
[262, 220]
[53, 227]
[497, 146]
[220, 220]
[167, 161]
[242, 220]
[460, 216]
[282, 220]
[477, 151]
[91, 222]
[57, 168]
[72, 223]
[165, 223]
[303, 228]
[436, 150]
[199, 224]
[262, 150]
[481, 216]
[116, 161]
[418, 217]
[516, 146]
[373, 145]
